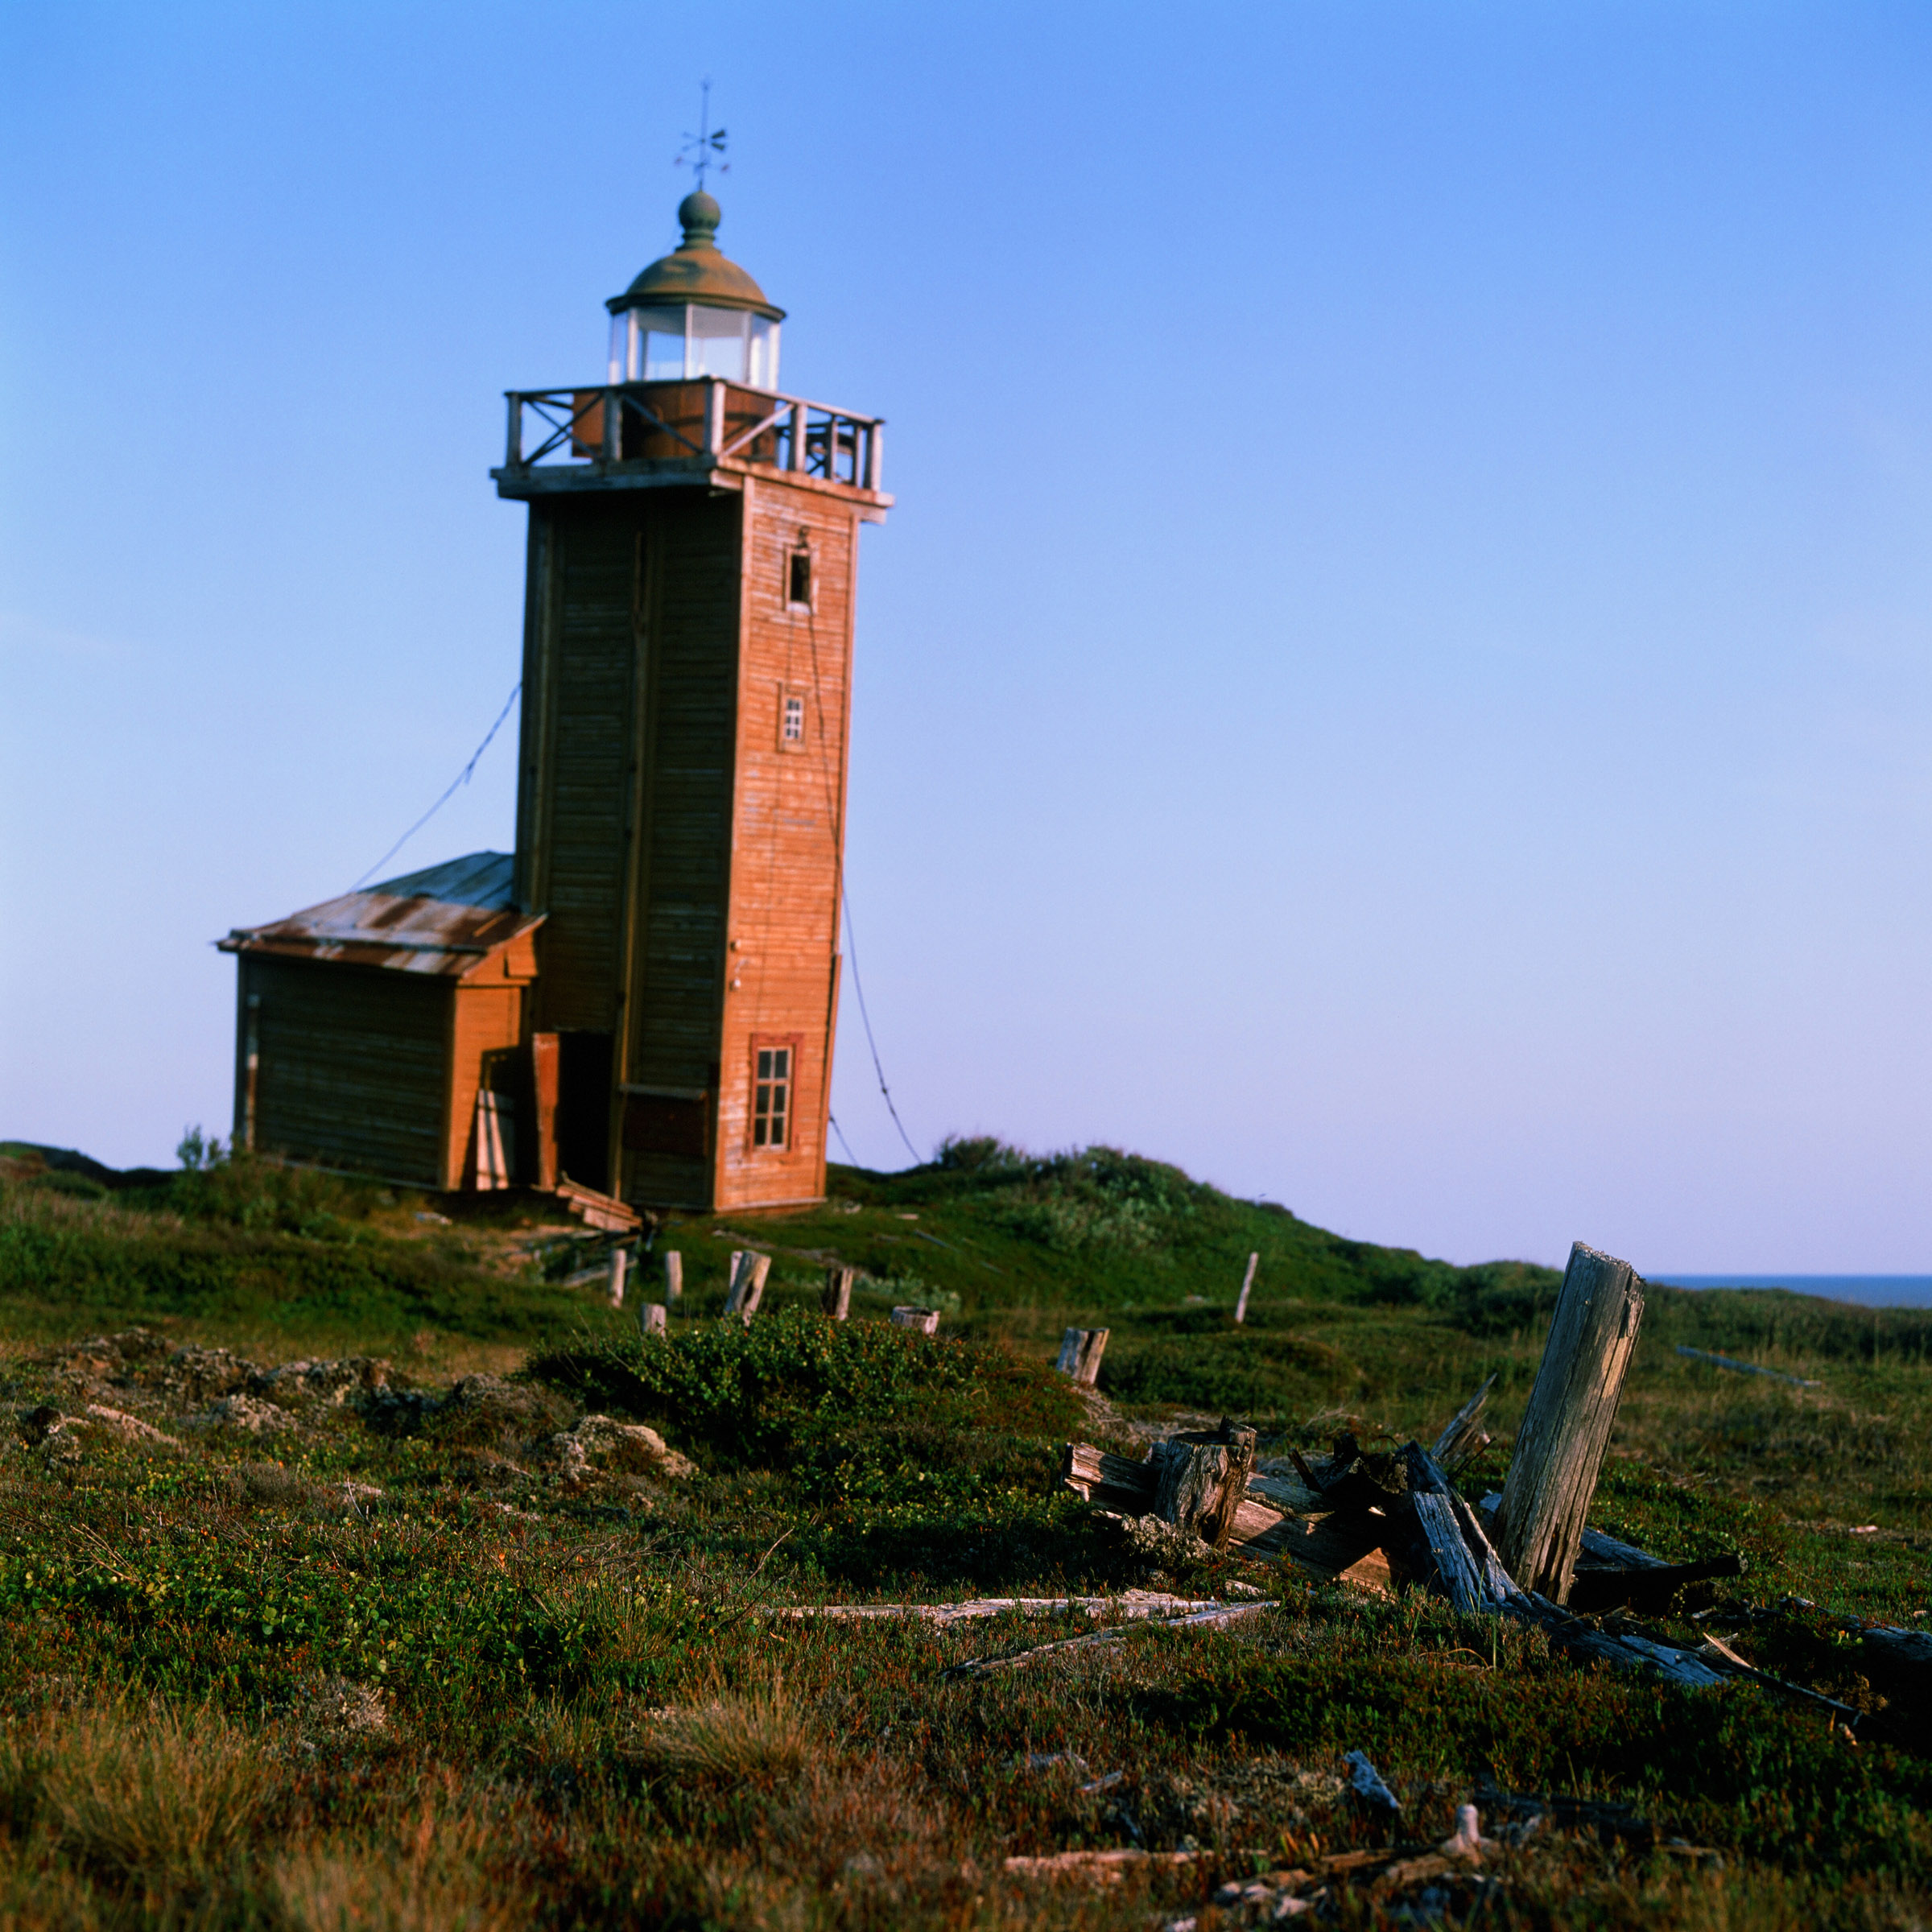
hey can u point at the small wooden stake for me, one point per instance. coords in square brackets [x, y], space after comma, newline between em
[926, 1320]
[1565, 1429]
[1088, 1369]
[620, 1266]
[1241, 1307]
[748, 1272]
[838, 1292]
[673, 1276]
[1069, 1350]
[652, 1318]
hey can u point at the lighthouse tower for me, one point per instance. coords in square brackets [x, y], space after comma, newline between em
[693, 548]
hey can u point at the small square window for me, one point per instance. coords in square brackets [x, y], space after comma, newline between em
[795, 721]
[771, 1097]
[797, 578]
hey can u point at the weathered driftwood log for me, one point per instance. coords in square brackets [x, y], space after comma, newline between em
[748, 1273]
[1241, 1307]
[925, 1320]
[1112, 1482]
[652, 1318]
[620, 1267]
[1565, 1429]
[1458, 1570]
[1080, 1353]
[838, 1292]
[1462, 1436]
[674, 1276]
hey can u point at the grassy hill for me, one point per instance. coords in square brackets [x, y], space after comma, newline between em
[400, 1633]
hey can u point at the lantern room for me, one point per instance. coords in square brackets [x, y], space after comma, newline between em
[694, 313]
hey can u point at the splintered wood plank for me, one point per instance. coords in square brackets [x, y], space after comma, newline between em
[1565, 1429]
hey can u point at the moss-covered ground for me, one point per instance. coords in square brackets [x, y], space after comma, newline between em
[372, 1645]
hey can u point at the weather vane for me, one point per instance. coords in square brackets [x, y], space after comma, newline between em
[705, 148]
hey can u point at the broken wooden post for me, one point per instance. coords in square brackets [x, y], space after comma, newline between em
[748, 1272]
[926, 1320]
[1565, 1429]
[620, 1266]
[838, 1292]
[674, 1276]
[1462, 1438]
[1080, 1353]
[653, 1318]
[1241, 1307]
[1234, 1488]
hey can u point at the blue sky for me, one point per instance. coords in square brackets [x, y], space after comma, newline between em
[1398, 680]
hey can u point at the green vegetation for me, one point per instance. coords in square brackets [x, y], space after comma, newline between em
[417, 1643]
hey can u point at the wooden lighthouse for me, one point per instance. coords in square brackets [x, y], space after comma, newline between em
[693, 548]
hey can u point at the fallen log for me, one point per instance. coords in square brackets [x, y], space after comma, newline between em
[1484, 1584]
[1221, 1613]
[1103, 1868]
[1128, 1603]
[1565, 1429]
[1724, 1361]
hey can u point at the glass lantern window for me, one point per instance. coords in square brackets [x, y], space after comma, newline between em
[716, 340]
[677, 345]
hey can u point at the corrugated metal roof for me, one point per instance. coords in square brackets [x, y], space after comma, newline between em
[484, 878]
[403, 925]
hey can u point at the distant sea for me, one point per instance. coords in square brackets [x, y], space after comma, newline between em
[1870, 1290]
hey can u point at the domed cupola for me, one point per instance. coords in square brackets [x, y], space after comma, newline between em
[694, 313]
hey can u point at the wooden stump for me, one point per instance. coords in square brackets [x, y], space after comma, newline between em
[838, 1292]
[620, 1266]
[653, 1318]
[1193, 1477]
[926, 1320]
[1241, 1307]
[1565, 1429]
[674, 1276]
[747, 1273]
[1080, 1353]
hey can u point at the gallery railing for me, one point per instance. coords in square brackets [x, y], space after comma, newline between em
[699, 423]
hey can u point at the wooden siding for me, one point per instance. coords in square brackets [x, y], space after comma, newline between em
[674, 840]
[787, 836]
[672, 1040]
[353, 1066]
[584, 754]
[485, 1018]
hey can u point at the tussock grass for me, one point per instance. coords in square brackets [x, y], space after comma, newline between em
[753, 1736]
[152, 1796]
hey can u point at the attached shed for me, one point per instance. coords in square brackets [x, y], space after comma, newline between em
[379, 1033]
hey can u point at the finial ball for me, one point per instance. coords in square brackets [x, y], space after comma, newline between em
[700, 216]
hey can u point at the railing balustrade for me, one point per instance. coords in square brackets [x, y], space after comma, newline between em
[703, 421]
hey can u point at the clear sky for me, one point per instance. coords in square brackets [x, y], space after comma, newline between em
[1399, 678]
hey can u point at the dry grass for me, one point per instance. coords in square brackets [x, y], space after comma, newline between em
[752, 1737]
[157, 1796]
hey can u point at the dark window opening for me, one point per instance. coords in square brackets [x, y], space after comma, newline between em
[771, 1101]
[584, 1108]
[797, 579]
[795, 721]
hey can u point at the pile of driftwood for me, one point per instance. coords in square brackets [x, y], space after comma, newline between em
[1392, 1518]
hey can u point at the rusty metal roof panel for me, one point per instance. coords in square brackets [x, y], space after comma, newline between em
[402, 926]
